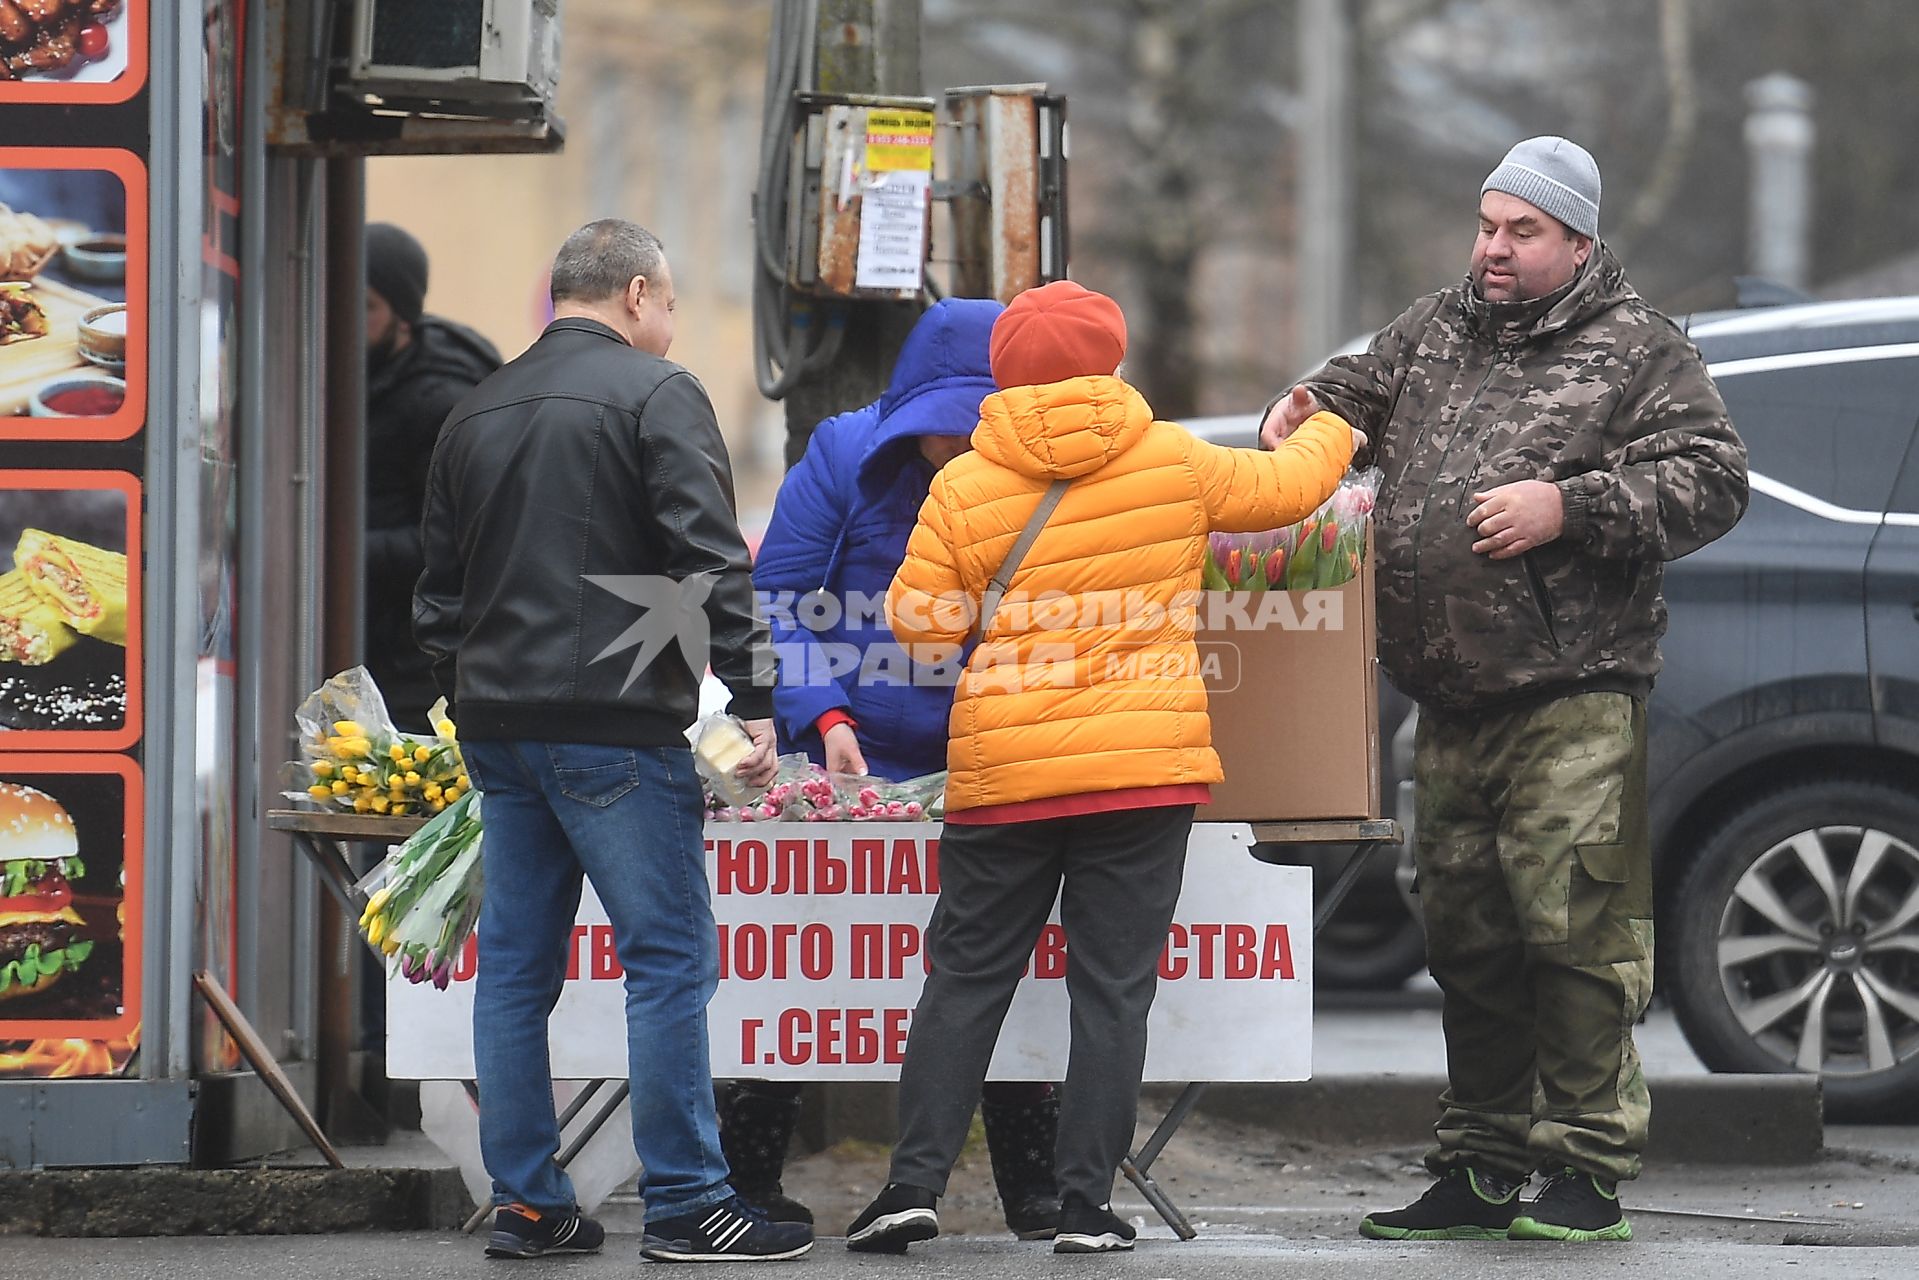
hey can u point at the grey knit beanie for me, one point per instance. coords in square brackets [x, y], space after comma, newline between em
[1555, 175]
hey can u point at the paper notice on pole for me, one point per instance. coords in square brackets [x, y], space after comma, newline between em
[893, 229]
[899, 140]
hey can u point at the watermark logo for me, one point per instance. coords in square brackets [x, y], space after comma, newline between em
[1127, 611]
[675, 615]
[1040, 640]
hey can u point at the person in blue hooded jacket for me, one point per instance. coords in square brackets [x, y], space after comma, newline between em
[839, 528]
[847, 695]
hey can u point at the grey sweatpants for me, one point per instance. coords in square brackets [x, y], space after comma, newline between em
[1121, 873]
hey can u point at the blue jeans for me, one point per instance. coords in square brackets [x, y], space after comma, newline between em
[629, 818]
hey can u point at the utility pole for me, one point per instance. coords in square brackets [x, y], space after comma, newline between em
[1323, 182]
[860, 47]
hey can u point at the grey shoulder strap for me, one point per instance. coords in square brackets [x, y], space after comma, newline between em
[995, 589]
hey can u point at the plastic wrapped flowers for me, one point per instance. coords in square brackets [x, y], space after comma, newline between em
[424, 898]
[1322, 551]
[355, 759]
[804, 792]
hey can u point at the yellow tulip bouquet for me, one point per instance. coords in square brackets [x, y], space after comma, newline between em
[424, 898]
[355, 759]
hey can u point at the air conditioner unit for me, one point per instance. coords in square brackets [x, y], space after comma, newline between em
[456, 57]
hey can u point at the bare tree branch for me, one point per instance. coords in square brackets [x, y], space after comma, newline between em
[1380, 21]
[1682, 122]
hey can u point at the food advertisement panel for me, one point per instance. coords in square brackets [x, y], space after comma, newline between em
[72, 294]
[74, 403]
[70, 635]
[72, 51]
[69, 914]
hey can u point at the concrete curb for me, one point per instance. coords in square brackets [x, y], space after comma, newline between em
[1708, 1119]
[165, 1201]
[1720, 1119]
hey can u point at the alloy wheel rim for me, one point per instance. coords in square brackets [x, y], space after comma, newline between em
[1818, 951]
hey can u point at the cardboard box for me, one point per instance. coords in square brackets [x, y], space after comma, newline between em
[1293, 684]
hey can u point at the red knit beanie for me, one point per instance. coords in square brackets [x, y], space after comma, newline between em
[1058, 331]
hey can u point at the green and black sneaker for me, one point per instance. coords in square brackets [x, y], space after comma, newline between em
[1573, 1206]
[1465, 1204]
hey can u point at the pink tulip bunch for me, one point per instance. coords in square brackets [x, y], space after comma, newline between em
[805, 792]
[1323, 550]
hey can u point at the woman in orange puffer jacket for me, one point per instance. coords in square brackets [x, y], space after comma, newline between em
[1079, 740]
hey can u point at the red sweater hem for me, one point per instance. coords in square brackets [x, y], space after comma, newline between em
[1085, 803]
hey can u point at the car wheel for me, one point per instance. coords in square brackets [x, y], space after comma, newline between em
[1373, 942]
[1797, 945]
[1368, 950]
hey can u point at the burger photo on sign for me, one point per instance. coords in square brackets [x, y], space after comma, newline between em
[39, 860]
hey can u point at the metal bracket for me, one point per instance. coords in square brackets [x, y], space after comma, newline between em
[961, 189]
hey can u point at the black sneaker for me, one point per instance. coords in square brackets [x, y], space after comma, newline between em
[1465, 1204]
[732, 1231]
[520, 1232]
[1090, 1228]
[776, 1206]
[1033, 1215]
[1573, 1206]
[900, 1215]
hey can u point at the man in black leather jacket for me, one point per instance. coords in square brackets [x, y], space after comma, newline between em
[587, 477]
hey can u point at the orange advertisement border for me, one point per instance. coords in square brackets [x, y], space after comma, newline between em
[121, 88]
[133, 177]
[133, 859]
[129, 733]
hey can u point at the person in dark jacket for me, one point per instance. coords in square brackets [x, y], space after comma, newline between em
[418, 368]
[1548, 441]
[586, 478]
[847, 699]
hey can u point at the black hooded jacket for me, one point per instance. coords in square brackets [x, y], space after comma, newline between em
[409, 396]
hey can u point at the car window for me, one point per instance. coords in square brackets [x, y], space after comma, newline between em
[1835, 431]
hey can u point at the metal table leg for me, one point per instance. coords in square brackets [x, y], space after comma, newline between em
[336, 872]
[1138, 1168]
[573, 1148]
[593, 1126]
[1343, 886]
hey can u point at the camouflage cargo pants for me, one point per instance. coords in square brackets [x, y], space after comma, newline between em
[1536, 880]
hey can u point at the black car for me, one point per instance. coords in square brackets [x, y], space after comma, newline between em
[1784, 730]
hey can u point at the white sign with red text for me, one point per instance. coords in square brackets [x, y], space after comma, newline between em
[822, 956]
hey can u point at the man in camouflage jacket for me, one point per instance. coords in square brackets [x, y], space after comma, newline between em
[1548, 442]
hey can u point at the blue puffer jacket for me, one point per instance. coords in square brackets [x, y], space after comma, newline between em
[840, 526]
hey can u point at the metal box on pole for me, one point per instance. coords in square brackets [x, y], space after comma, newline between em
[865, 173]
[859, 201]
[1006, 181]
